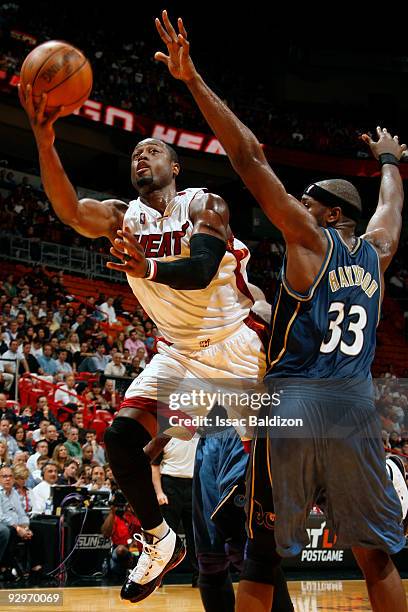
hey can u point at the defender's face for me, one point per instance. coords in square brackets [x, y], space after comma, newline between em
[151, 166]
[317, 210]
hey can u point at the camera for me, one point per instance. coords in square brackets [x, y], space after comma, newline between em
[119, 501]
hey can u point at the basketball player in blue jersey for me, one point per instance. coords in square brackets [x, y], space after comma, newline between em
[322, 345]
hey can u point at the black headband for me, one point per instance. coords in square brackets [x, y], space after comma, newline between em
[327, 198]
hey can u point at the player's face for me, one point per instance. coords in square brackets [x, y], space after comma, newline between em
[151, 166]
[317, 210]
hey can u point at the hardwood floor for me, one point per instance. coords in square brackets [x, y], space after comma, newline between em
[307, 596]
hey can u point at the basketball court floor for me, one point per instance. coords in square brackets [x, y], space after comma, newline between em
[307, 596]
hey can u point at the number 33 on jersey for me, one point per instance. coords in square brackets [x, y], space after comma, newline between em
[331, 330]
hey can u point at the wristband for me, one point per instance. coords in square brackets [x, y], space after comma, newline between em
[151, 269]
[388, 158]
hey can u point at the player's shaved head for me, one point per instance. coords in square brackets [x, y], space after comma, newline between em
[343, 189]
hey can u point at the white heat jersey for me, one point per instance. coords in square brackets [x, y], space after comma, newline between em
[195, 318]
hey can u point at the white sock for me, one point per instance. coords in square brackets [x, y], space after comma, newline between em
[160, 531]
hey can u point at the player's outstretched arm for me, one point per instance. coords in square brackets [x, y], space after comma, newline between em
[384, 228]
[88, 217]
[210, 218]
[242, 147]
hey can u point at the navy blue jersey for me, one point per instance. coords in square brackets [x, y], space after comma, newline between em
[331, 331]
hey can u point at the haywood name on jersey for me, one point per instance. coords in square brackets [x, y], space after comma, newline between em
[352, 276]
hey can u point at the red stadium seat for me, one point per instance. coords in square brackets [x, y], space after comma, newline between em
[104, 415]
[13, 405]
[99, 427]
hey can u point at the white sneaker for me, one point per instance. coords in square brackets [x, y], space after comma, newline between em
[159, 556]
[398, 476]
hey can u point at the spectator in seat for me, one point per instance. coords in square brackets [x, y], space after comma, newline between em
[100, 360]
[73, 345]
[4, 456]
[65, 429]
[37, 347]
[78, 422]
[12, 330]
[20, 435]
[63, 367]
[115, 367]
[120, 341]
[54, 344]
[60, 457]
[41, 450]
[43, 412]
[82, 358]
[67, 393]
[98, 451]
[51, 435]
[29, 363]
[35, 476]
[5, 411]
[72, 445]
[16, 519]
[59, 314]
[134, 369]
[87, 455]
[20, 458]
[46, 361]
[25, 418]
[109, 311]
[39, 433]
[133, 343]
[98, 479]
[9, 286]
[6, 378]
[6, 437]
[141, 355]
[110, 396]
[85, 475]
[41, 494]
[69, 475]
[95, 396]
[21, 475]
[10, 358]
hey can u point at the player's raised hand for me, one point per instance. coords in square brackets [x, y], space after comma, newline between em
[128, 250]
[178, 60]
[385, 143]
[41, 124]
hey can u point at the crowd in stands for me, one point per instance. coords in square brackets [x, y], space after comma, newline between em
[392, 405]
[126, 75]
[68, 357]
[25, 210]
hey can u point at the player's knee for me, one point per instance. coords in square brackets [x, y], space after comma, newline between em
[124, 434]
[215, 580]
[235, 553]
[375, 564]
[262, 562]
[212, 565]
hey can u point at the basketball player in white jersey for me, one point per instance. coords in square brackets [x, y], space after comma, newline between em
[189, 275]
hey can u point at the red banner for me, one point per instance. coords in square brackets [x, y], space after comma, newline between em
[148, 128]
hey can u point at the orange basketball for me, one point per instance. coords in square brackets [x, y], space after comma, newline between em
[61, 71]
